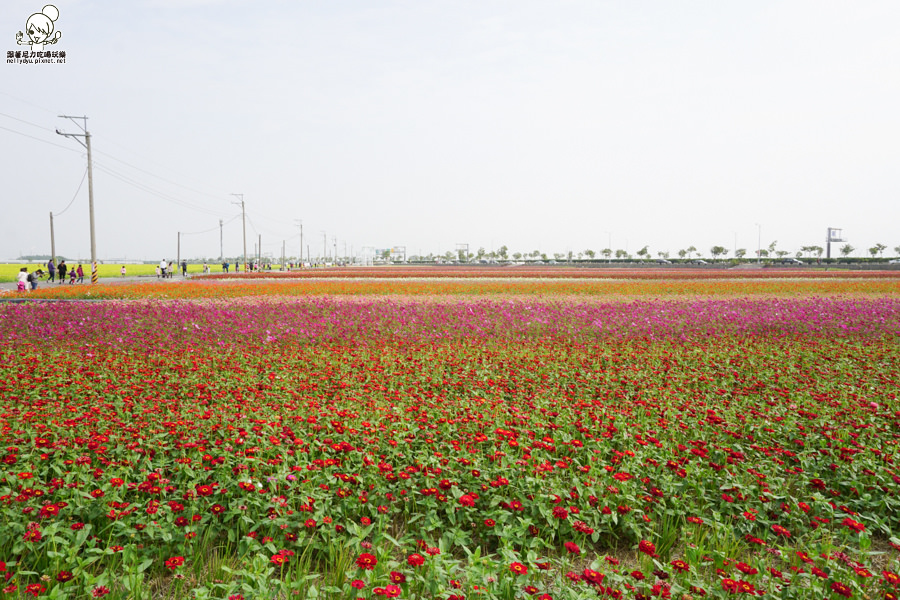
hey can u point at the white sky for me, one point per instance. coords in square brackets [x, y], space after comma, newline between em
[542, 125]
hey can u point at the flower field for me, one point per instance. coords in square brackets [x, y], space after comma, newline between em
[631, 439]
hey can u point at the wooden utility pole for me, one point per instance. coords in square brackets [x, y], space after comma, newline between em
[52, 241]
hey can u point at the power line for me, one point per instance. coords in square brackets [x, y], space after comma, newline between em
[26, 122]
[59, 214]
[158, 176]
[29, 103]
[211, 229]
[154, 192]
[115, 158]
[68, 148]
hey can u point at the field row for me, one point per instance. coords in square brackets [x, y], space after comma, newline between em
[627, 289]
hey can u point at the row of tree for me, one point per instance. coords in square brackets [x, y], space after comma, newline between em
[691, 252]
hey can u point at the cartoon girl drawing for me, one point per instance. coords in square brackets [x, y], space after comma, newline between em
[40, 29]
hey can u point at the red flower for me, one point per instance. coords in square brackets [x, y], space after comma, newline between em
[396, 577]
[572, 548]
[36, 589]
[358, 584]
[366, 561]
[174, 562]
[841, 588]
[779, 530]
[32, 535]
[467, 500]
[647, 547]
[854, 525]
[100, 591]
[518, 568]
[415, 560]
[680, 565]
[560, 513]
[592, 577]
[64, 576]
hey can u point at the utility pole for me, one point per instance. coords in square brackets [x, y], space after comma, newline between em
[300, 224]
[221, 246]
[178, 254]
[334, 241]
[87, 144]
[259, 253]
[758, 242]
[324, 247]
[244, 219]
[52, 241]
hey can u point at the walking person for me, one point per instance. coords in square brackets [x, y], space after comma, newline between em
[80, 272]
[51, 271]
[71, 276]
[162, 267]
[62, 271]
[122, 271]
[184, 268]
[22, 279]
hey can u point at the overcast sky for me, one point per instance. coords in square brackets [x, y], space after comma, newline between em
[539, 125]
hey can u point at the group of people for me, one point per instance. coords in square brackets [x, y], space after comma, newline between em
[29, 281]
[254, 266]
[167, 269]
[26, 281]
[76, 274]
